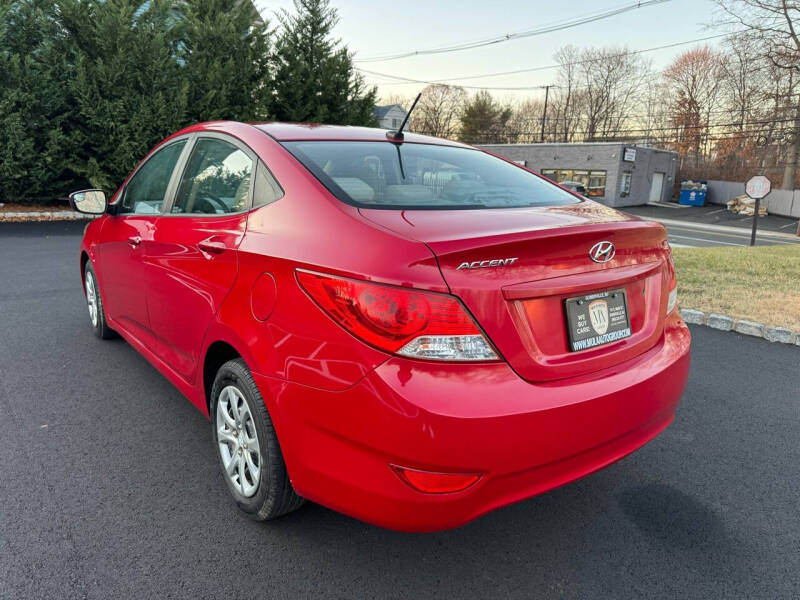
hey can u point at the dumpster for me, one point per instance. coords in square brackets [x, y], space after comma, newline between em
[693, 193]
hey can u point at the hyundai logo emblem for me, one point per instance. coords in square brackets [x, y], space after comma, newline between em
[602, 252]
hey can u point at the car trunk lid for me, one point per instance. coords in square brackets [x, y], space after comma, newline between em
[515, 268]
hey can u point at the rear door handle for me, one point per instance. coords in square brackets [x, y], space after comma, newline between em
[134, 240]
[212, 247]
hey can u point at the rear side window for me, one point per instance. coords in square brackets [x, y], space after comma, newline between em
[216, 180]
[146, 189]
[266, 190]
[419, 176]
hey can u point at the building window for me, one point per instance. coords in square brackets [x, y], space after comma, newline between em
[395, 123]
[593, 181]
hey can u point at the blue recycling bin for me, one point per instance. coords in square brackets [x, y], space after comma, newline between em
[693, 193]
[693, 197]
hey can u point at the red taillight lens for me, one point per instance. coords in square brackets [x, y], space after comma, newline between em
[435, 483]
[391, 318]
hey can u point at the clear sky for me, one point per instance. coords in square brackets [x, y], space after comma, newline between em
[372, 28]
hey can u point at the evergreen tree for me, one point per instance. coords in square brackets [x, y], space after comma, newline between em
[224, 50]
[315, 80]
[128, 87]
[483, 120]
[35, 111]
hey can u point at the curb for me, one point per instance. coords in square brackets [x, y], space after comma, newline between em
[743, 326]
[61, 215]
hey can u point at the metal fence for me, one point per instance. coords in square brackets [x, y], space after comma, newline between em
[779, 202]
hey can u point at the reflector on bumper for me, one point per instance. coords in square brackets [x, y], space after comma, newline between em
[435, 483]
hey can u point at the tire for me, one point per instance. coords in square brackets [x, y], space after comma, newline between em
[270, 493]
[94, 302]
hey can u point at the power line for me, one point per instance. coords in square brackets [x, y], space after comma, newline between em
[668, 128]
[590, 18]
[544, 67]
[504, 137]
[612, 118]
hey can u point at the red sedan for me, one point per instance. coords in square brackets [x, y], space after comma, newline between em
[408, 330]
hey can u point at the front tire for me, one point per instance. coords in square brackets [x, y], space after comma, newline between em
[247, 447]
[94, 302]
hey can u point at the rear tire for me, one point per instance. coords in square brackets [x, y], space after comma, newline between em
[257, 480]
[94, 302]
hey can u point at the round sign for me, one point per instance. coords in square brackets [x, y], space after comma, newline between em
[758, 187]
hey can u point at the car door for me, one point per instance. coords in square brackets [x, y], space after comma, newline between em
[192, 263]
[126, 237]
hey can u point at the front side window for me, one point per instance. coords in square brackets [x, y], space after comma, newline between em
[418, 176]
[216, 179]
[145, 191]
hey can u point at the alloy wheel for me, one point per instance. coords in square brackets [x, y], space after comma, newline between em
[238, 441]
[91, 298]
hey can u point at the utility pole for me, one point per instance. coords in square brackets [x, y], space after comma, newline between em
[793, 153]
[544, 113]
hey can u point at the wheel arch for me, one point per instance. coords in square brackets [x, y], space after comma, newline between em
[217, 354]
[84, 260]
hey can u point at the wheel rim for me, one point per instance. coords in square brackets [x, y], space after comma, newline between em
[238, 441]
[91, 298]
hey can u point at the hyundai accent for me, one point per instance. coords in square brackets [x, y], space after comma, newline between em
[408, 330]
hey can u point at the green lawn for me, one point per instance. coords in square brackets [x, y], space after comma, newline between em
[761, 284]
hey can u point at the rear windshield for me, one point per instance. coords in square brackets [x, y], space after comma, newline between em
[415, 176]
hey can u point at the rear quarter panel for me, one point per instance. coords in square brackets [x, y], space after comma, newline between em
[310, 229]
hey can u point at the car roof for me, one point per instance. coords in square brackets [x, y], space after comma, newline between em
[284, 132]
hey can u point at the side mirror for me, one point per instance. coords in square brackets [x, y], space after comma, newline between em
[90, 202]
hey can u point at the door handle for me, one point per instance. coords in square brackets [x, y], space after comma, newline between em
[212, 247]
[134, 240]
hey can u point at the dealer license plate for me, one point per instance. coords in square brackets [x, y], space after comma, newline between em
[597, 319]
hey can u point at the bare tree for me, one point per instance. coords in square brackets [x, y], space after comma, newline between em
[389, 99]
[775, 27]
[438, 110]
[567, 100]
[653, 123]
[744, 79]
[613, 82]
[694, 81]
[596, 91]
[526, 118]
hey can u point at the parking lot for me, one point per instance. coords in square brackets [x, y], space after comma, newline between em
[708, 226]
[110, 488]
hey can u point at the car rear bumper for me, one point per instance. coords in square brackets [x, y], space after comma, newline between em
[524, 439]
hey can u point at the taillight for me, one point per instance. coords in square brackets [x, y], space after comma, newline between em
[400, 320]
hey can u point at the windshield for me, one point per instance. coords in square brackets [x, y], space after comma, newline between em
[415, 176]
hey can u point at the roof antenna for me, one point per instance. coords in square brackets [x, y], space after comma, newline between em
[398, 135]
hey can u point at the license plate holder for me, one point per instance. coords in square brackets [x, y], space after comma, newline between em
[597, 319]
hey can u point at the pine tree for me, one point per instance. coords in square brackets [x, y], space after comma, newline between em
[224, 51]
[35, 111]
[128, 86]
[315, 80]
[483, 119]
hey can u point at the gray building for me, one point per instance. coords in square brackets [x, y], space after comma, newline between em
[613, 173]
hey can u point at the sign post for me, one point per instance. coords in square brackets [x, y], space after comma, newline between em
[757, 188]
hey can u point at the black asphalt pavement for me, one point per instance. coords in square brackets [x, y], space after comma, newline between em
[109, 486]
